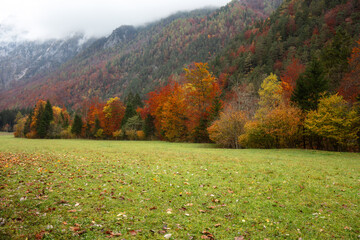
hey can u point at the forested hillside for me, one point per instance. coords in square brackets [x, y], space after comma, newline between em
[298, 32]
[140, 59]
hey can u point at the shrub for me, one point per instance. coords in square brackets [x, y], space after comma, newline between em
[140, 135]
[228, 128]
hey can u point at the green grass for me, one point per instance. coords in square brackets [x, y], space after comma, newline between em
[64, 189]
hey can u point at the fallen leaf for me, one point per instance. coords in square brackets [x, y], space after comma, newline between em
[153, 208]
[74, 229]
[217, 225]
[41, 234]
[239, 238]
[132, 232]
[112, 234]
[80, 232]
[167, 236]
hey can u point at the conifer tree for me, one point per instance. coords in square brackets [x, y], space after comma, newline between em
[46, 116]
[77, 125]
[149, 126]
[309, 87]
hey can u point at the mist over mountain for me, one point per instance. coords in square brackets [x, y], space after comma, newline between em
[132, 59]
[21, 59]
[43, 20]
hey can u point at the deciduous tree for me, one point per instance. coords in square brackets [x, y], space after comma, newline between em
[335, 122]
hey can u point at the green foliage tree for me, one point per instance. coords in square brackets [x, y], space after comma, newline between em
[77, 125]
[45, 117]
[149, 126]
[309, 87]
[132, 103]
[334, 58]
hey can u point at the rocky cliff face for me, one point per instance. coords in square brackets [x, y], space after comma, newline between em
[21, 60]
[120, 35]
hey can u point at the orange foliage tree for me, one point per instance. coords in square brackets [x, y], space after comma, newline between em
[155, 104]
[95, 117]
[113, 111]
[173, 116]
[201, 90]
[35, 120]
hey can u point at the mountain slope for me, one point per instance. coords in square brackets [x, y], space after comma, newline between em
[21, 60]
[139, 59]
[300, 30]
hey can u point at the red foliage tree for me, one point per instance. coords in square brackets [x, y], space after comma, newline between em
[289, 77]
[350, 85]
[94, 112]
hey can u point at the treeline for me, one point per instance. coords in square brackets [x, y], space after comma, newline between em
[8, 118]
[295, 111]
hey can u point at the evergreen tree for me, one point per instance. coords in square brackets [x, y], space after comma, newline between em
[149, 126]
[309, 87]
[132, 103]
[130, 111]
[215, 109]
[334, 58]
[77, 125]
[97, 125]
[45, 118]
[201, 134]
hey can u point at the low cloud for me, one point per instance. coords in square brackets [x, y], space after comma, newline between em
[43, 19]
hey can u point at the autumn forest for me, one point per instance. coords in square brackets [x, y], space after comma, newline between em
[252, 74]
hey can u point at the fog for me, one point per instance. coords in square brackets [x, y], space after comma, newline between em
[44, 19]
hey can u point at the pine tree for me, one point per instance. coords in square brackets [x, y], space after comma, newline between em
[334, 58]
[149, 126]
[132, 103]
[309, 87]
[45, 118]
[77, 125]
[215, 109]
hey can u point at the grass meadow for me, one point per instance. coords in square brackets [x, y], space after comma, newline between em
[87, 189]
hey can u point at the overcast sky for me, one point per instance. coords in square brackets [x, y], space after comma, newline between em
[57, 18]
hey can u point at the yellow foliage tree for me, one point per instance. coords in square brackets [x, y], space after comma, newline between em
[335, 122]
[228, 128]
[270, 95]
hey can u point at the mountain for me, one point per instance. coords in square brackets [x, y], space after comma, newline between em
[142, 58]
[21, 60]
